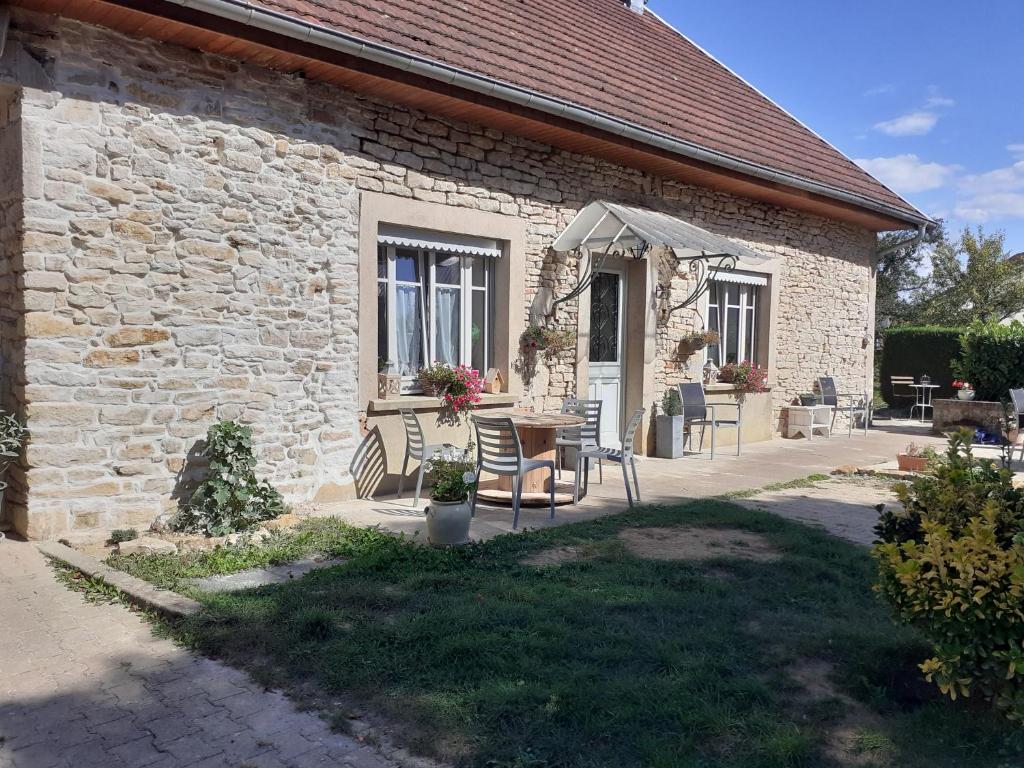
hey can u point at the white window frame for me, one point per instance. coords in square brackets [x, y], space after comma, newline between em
[748, 306]
[428, 286]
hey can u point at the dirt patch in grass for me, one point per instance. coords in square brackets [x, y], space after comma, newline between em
[697, 544]
[855, 736]
[553, 556]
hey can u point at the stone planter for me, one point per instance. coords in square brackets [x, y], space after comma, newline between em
[669, 437]
[448, 523]
[909, 463]
[965, 394]
[989, 415]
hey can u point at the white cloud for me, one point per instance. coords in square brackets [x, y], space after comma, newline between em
[940, 101]
[997, 194]
[1017, 150]
[911, 124]
[907, 174]
[880, 89]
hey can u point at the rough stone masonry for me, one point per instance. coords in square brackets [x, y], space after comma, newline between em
[179, 239]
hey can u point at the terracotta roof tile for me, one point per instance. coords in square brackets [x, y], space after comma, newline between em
[599, 55]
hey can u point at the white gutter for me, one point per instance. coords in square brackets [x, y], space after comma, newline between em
[922, 231]
[317, 34]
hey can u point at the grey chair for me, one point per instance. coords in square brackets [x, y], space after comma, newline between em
[585, 434]
[499, 452]
[1017, 401]
[623, 456]
[698, 412]
[854, 405]
[903, 391]
[416, 447]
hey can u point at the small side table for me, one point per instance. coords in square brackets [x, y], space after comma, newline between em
[804, 419]
[924, 399]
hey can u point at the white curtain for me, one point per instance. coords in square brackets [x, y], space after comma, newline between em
[408, 333]
[447, 321]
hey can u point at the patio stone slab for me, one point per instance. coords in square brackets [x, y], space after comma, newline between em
[261, 577]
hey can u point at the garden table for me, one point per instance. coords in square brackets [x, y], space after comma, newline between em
[924, 398]
[537, 436]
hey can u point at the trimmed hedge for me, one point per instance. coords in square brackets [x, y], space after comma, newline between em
[911, 350]
[993, 359]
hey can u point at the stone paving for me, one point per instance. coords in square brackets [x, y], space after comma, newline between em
[89, 686]
[844, 507]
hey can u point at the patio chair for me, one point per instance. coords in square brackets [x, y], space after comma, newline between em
[416, 447]
[585, 434]
[1017, 401]
[623, 456]
[696, 410]
[499, 452]
[853, 404]
[902, 390]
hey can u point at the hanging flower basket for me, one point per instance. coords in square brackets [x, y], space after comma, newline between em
[551, 341]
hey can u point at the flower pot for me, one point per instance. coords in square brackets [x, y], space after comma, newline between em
[808, 401]
[447, 522]
[668, 437]
[965, 394]
[911, 463]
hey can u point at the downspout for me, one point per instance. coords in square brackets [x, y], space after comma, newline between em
[318, 34]
[913, 242]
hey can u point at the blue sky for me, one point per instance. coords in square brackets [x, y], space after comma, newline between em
[926, 94]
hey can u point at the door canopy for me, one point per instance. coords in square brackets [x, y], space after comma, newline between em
[605, 229]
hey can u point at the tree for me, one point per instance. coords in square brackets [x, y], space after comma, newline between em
[973, 278]
[900, 278]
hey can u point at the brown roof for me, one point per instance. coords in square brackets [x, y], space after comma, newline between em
[601, 56]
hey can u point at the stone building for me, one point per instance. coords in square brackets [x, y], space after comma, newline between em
[221, 210]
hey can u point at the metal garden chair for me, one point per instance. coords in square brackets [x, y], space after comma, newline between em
[696, 410]
[853, 404]
[583, 435]
[500, 453]
[416, 447]
[903, 391]
[623, 456]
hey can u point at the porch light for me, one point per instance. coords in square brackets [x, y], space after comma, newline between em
[710, 372]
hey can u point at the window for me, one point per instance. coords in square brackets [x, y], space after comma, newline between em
[732, 311]
[433, 306]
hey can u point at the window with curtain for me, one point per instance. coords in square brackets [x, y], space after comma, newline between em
[433, 306]
[732, 311]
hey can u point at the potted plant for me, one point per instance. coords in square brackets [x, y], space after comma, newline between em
[694, 341]
[12, 437]
[964, 390]
[551, 341]
[809, 399]
[746, 377]
[448, 513]
[435, 379]
[915, 458]
[670, 426]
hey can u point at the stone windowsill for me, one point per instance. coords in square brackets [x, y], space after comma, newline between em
[721, 387]
[424, 403]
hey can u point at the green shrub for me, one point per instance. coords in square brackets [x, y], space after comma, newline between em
[230, 499]
[952, 564]
[909, 350]
[671, 404]
[993, 359]
[119, 535]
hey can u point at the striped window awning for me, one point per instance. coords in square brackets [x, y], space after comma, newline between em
[442, 242]
[742, 278]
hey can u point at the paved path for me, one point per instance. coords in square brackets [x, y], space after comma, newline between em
[843, 507]
[89, 686]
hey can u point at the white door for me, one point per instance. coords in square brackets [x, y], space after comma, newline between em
[607, 293]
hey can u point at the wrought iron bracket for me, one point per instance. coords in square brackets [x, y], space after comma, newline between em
[703, 269]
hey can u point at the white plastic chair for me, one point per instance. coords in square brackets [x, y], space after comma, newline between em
[500, 452]
[623, 456]
[585, 434]
[416, 447]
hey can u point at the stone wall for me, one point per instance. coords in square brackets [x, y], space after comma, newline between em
[190, 255]
[11, 347]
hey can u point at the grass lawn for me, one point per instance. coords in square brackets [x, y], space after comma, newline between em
[609, 659]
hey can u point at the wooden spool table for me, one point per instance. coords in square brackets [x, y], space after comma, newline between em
[537, 436]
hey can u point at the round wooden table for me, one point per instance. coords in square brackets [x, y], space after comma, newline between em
[537, 436]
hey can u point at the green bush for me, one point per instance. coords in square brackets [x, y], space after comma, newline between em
[230, 499]
[910, 350]
[119, 535]
[993, 359]
[951, 563]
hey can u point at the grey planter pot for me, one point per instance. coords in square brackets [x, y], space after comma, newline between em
[448, 523]
[669, 432]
